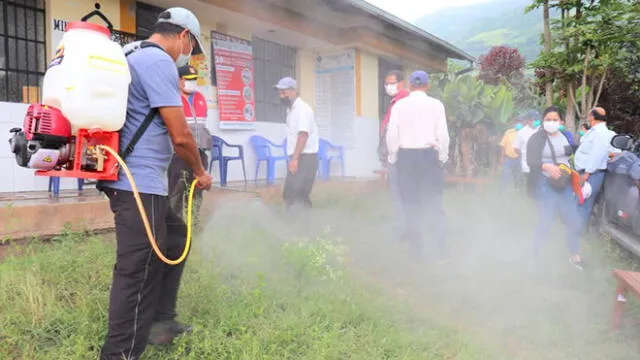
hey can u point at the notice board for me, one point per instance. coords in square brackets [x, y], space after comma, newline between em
[233, 62]
[335, 96]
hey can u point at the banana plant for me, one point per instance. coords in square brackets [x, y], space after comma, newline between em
[470, 103]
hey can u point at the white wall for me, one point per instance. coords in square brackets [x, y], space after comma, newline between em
[272, 131]
[360, 161]
[15, 178]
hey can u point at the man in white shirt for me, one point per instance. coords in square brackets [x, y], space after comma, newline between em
[522, 138]
[591, 159]
[418, 143]
[302, 146]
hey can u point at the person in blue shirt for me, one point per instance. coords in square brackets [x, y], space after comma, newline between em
[144, 289]
[567, 133]
[591, 159]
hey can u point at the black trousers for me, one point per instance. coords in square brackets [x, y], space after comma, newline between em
[180, 179]
[421, 183]
[144, 289]
[298, 186]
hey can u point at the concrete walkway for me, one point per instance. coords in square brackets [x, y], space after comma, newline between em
[38, 214]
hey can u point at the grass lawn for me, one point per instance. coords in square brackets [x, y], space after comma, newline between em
[252, 289]
[337, 285]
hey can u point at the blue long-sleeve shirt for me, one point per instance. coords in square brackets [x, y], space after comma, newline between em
[569, 136]
[594, 149]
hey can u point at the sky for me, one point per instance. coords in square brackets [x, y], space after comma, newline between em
[412, 10]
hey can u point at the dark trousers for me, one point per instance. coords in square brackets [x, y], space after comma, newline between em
[144, 289]
[421, 183]
[180, 179]
[298, 186]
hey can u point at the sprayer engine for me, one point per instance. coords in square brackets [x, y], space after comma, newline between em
[44, 142]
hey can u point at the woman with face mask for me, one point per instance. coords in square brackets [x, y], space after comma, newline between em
[549, 183]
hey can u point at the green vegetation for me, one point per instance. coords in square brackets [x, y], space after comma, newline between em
[276, 299]
[256, 289]
[476, 28]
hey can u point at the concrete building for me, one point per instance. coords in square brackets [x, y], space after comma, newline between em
[338, 50]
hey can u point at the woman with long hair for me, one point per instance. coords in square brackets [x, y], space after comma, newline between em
[548, 152]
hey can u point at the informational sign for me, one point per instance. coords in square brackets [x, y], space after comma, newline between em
[200, 63]
[233, 59]
[335, 97]
[58, 29]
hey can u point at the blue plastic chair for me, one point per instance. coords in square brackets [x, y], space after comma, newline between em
[54, 184]
[326, 153]
[262, 148]
[217, 154]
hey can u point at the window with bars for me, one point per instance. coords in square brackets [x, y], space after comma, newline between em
[22, 50]
[146, 17]
[271, 61]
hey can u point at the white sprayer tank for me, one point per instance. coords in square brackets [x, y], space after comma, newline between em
[88, 78]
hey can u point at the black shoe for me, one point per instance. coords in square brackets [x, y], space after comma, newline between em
[163, 332]
[181, 328]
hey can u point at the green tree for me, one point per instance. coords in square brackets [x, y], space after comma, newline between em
[587, 44]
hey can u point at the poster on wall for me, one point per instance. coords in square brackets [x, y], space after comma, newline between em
[233, 59]
[335, 96]
[200, 63]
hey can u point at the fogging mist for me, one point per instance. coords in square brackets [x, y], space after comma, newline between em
[493, 290]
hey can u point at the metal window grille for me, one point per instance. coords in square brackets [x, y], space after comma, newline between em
[22, 50]
[146, 17]
[123, 38]
[271, 61]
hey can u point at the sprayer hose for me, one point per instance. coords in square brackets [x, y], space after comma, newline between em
[143, 213]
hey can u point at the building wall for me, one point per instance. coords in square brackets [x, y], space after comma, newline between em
[361, 157]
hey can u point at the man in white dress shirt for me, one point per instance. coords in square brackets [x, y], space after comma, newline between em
[418, 143]
[302, 146]
[591, 159]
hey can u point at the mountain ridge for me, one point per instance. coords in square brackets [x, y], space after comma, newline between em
[476, 28]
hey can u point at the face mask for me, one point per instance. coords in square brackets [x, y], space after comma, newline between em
[536, 124]
[551, 126]
[183, 59]
[561, 128]
[392, 89]
[519, 127]
[190, 86]
[285, 101]
[581, 132]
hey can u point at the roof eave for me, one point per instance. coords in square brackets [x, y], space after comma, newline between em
[406, 26]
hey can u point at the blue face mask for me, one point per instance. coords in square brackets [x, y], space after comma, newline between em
[536, 124]
[518, 127]
[581, 132]
[562, 127]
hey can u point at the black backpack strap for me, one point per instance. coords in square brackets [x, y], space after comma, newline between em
[150, 115]
[552, 150]
[136, 137]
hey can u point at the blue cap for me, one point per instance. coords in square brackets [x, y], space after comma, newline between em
[419, 78]
[286, 83]
[535, 114]
[185, 19]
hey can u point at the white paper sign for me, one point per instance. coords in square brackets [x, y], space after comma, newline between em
[335, 97]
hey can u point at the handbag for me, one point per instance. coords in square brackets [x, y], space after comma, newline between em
[563, 181]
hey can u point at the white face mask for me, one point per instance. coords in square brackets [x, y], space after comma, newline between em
[551, 127]
[190, 86]
[392, 89]
[183, 59]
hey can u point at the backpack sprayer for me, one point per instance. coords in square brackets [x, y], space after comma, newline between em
[74, 132]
